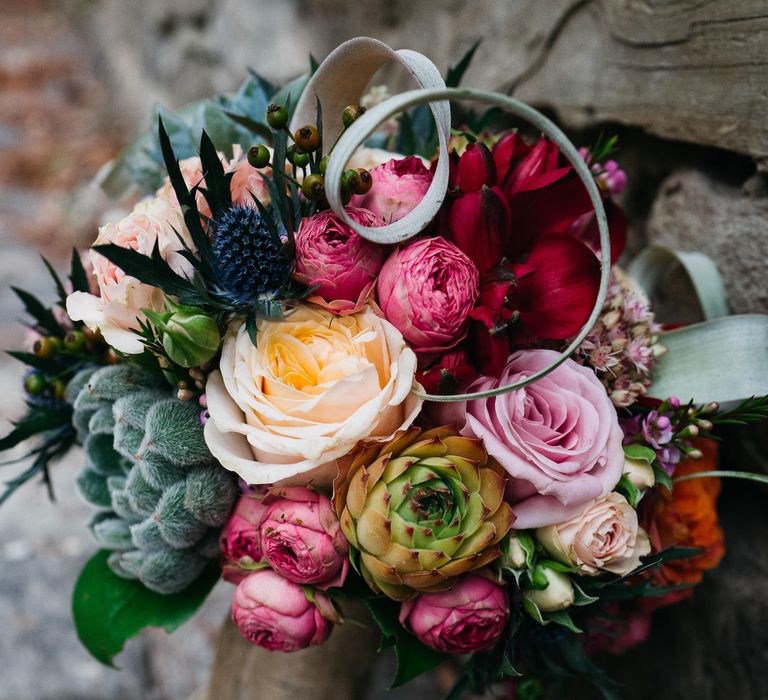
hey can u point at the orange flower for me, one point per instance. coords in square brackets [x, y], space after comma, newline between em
[688, 518]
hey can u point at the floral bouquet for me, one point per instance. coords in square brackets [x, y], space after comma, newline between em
[335, 353]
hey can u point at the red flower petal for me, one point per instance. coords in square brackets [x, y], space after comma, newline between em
[556, 300]
[586, 230]
[476, 168]
[507, 153]
[479, 226]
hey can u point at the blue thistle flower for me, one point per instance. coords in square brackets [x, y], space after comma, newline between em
[250, 259]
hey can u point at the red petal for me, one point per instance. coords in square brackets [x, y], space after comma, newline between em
[476, 168]
[542, 158]
[479, 226]
[551, 209]
[557, 299]
[490, 351]
[586, 230]
[507, 154]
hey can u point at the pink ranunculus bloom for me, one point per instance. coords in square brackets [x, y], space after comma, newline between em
[469, 617]
[426, 289]
[275, 613]
[241, 536]
[398, 186]
[343, 265]
[558, 438]
[301, 538]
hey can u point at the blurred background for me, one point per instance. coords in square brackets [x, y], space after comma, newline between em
[683, 83]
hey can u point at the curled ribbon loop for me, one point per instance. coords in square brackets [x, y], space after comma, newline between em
[365, 125]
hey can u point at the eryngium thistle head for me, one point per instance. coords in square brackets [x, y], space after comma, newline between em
[422, 509]
[251, 261]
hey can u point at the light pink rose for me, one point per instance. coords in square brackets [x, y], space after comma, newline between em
[469, 617]
[342, 264]
[301, 538]
[426, 289]
[274, 613]
[604, 537]
[398, 186]
[117, 309]
[559, 438]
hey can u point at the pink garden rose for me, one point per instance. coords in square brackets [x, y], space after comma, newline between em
[342, 264]
[469, 617]
[276, 614]
[241, 537]
[559, 438]
[398, 186]
[426, 289]
[301, 537]
[604, 537]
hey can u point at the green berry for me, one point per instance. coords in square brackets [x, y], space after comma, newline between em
[351, 114]
[350, 181]
[277, 116]
[258, 156]
[300, 160]
[313, 187]
[74, 340]
[324, 164]
[46, 347]
[35, 384]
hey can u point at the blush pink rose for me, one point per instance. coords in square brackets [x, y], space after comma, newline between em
[342, 265]
[275, 613]
[426, 289]
[469, 617]
[398, 186]
[301, 538]
[604, 537]
[558, 438]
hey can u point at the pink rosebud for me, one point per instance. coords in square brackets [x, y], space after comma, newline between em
[240, 538]
[398, 186]
[274, 613]
[426, 290]
[301, 538]
[479, 225]
[476, 168]
[469, 617]
[342, 264]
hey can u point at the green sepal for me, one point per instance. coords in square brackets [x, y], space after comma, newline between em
[413, 657]
[109, 610]
[640, 452]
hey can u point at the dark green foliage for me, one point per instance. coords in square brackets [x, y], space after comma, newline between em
[178, 526]
[173, 430]
[159, 472]
[209, 490]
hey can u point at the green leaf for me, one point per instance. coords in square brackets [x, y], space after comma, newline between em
[44, 364]
[562, 618]
[109, 610]
[413, 657]
[641, 452]
[629, 491]
[77, 274]
[32, 424]
[456, 73]
[662, 477]
[56, 281]
[44, 317]
[582, 598]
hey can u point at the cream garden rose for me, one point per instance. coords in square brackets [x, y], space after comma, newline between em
[605, 537]
[117, 309]
[313, 386]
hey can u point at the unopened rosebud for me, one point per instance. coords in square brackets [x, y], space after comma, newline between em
[689, 431]
[189, 336]
[639, 473]
[558, 595]
[694, 453]
[711, 407]
[704, 424]
[516, 556]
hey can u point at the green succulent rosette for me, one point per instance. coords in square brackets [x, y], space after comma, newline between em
[422, 509]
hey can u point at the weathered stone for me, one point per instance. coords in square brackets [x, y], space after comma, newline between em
[692, 211]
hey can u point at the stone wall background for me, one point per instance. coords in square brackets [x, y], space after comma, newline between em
[684, 83]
